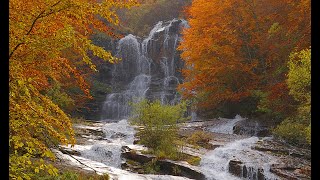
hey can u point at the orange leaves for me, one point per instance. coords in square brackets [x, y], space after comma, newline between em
[47, 39]
[234, 47]
[278, 91]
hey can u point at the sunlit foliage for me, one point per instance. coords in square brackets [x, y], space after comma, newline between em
[297, 128]
[47, 39]
[237, 52]
[159, 124]
[236, 48]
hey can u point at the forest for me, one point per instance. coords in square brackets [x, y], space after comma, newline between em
[160, 82]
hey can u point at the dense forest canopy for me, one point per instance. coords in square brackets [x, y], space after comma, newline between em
[140, 19]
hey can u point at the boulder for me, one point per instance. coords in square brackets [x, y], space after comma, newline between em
[128, 153]
[252, 128]
[166, 166]
[290, 171]
[69, 151]
[235, 167]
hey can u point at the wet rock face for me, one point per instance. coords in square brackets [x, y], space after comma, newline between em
[118, 135]
[150, 68]
[280, 148]
[295, 160]
[252, 128]
[293, 172]
[237, 168]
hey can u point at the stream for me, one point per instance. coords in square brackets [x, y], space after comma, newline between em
[104, 154]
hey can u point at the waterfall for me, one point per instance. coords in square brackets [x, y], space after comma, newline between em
[149, 69]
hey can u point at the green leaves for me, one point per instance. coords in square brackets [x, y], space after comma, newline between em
[159, 123]
[297, 129]
[299, 76]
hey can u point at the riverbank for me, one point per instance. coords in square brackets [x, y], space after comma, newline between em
[232, 156]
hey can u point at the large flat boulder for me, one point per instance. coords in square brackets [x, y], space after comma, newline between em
[165, 166]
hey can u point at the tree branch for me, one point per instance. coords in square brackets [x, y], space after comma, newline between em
[40, 15]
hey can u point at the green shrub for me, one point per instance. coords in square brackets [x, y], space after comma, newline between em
[160, 130]
[194, 160]
[60, 97]
[200, 138]
[73, 175]
[151, 167]
[293, 132]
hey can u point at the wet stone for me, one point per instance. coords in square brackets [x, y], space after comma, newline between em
[118, 135]
[235, 167]
[260, 174]
[244, 171]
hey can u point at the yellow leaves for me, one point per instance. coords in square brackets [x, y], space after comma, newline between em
[299, 76]
[52, 171]
[49, 154]
[41, 31]
[275, 27]
[36, 170]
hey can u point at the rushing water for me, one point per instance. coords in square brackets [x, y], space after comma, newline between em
[108, 151]
[255, 165]
[226, 125]
[148, 70]
[215, 164]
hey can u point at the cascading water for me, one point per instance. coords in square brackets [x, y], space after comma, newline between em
[149, 69]
[108, 151]
[226, 125]
[215, 164]
[253, 165]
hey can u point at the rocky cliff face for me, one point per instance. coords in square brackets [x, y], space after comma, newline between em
[150, 68]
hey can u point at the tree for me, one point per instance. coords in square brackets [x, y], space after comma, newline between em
[297, 128]
[235, 48]
[299, 80]
[42, 35]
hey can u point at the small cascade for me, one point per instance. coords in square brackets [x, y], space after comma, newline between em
[149, 69]
[226, 125]
[236, 159]
[193, 116]
[249, 164]
[108, 152]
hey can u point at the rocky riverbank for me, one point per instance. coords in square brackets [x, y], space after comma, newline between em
[108, 148]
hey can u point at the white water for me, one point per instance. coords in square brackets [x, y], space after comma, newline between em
[108, 150]
[215, 163]
[226, 125]
[104, 155]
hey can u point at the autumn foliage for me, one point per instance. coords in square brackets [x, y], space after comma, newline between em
[43, 36]
[234, 49]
